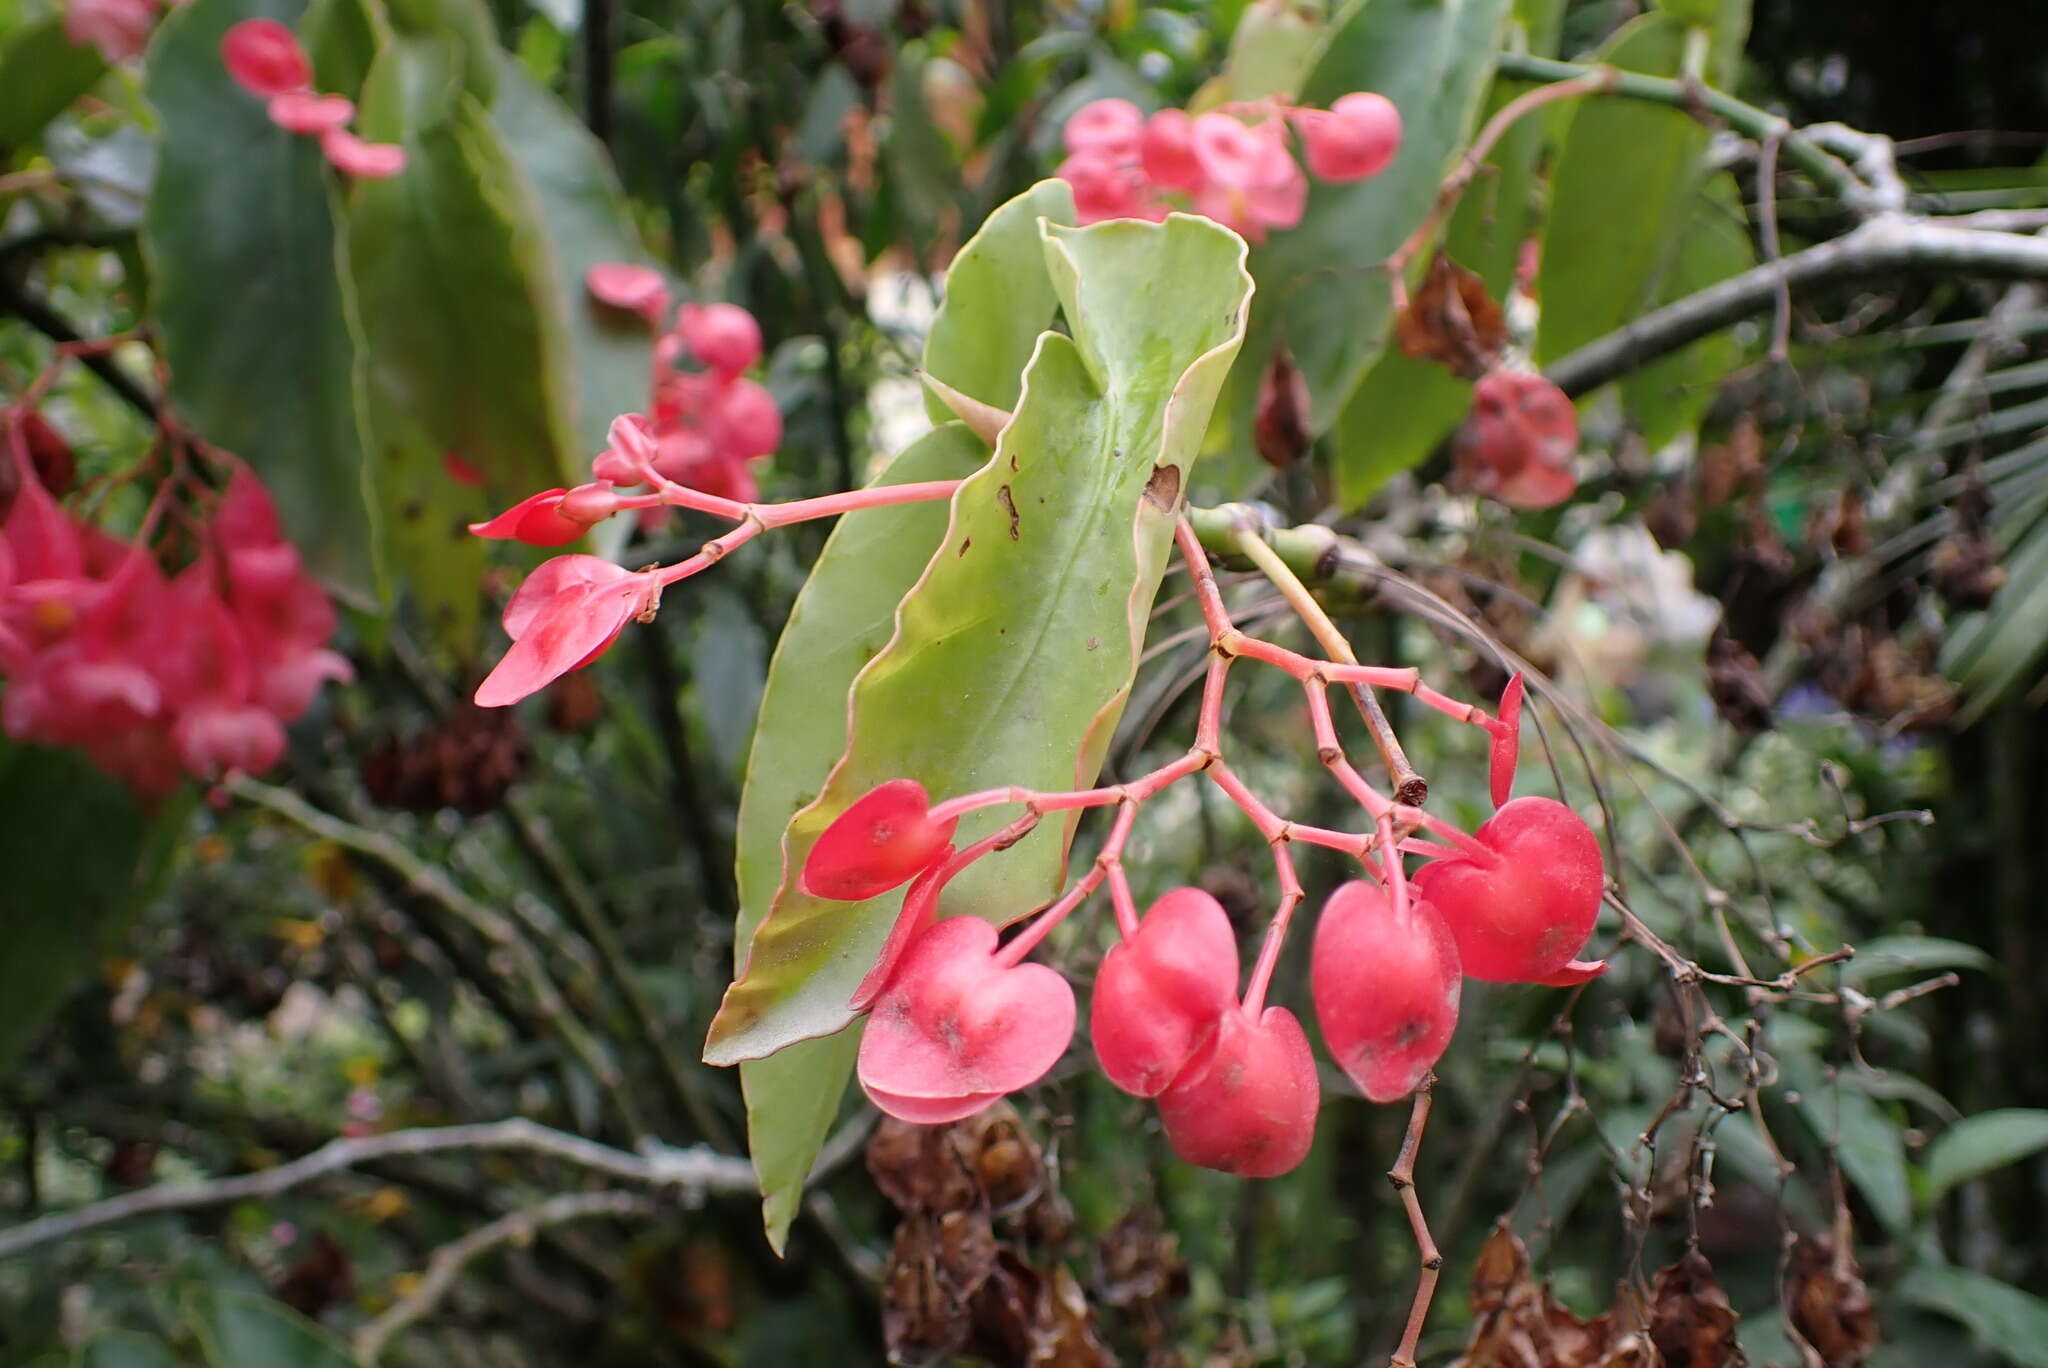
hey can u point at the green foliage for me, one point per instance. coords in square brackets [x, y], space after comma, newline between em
[237, 1330]
[42, 72]
[1979, 1144]
[2005, 1320]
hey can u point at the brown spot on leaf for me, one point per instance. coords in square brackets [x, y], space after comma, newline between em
[965, 542]
[1162, 491]
[1009, 503]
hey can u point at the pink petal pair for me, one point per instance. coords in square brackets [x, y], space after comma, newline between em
[563, 617]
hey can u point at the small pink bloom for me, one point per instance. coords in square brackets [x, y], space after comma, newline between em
[536, 520]
[1355, 138]
[352, 156]
[213, 739]
[1517, 443]
[623, 285]
[563, 617]
[302, 111]
[1110, 128]
[1159, 993]
[246, 514]
[1246, 1102]
[745, 420]
[724, 337]
[956, 1029]
[265, 58]
[884, 838]
[1168, 151]
[1103, 189]
[1386, 987]
[118, 28]
[1237, 156]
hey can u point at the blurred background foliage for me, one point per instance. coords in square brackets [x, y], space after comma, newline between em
[1799, 600]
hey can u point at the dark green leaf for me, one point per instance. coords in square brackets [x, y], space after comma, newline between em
[237, 1330]
[241, 243]
[1671, 394]
[1978, 1144]
[42, 72]
[2005, 1320]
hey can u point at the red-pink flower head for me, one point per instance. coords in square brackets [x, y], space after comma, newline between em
[1110, 128]
[1355, 137]
[1104, 188]
[1167, 151]
[265, 58]
[724, 337]
[563, 617]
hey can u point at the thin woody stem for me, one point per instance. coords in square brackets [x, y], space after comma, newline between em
[1276, 930]
[1402, 1176]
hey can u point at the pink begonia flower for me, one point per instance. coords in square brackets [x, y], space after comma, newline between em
[724, 337]
[118, 28]
[302, 111]
[1110, 128]
[563, 617]
[1354, 138]
[1167, 153]
[885, 838]
[1103, 188]
[955, 1028]
[1160, 991]
[623, 285]
[352, 156]
[1239, 156]
[744, 420]
[554, 517]
[265, 58]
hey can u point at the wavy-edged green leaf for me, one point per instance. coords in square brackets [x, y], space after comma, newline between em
[80, 857]
[1272, 50]
[1618, 196]
[1404, 409]
[998, 299]
[1671, 394]
[239, 1330]
[248, 299]
[463, 340]
[1976, 1145]
[583, 210]
[2005, 1320]
[1013, 654]
[1321, 289]
[42, 71]
[842, 620]
[1911, 955]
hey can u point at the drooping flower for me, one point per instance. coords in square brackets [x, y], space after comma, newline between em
[563, 617]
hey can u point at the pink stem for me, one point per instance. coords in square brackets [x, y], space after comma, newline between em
[1276, 931]
[1121, 902]
[1110, 858]
[852, 501]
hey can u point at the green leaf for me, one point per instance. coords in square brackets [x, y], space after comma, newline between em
[1978, 1144]
[923, 171]
[1321, 289]
[998, 299]
[583, 210]
[42, 71]
[1911, 955]
[1272, 50]
[80, 857]
[238, 1330]
[463, 340]
[1671, 394]
[842, 619]
[248, 301]
[1013, 655]
[2005, 1320]
[1618, 196]
[342, 38]
[121, 1350]
[466, 24]
[1404, 408]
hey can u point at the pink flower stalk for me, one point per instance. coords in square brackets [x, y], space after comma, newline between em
[118, 28]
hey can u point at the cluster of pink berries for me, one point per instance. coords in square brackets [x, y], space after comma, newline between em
[158, 676]
[1232, 164]
[266, 60]
[958, 1019]
[1518, 441]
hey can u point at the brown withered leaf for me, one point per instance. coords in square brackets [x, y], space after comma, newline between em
[937, 1263]
[1726, 467]
[1831, 1306]
[1452, 320]
[1691, 1322]
[1138, 1261]
[1005, 1309]
[1519, 1324]
[921, 1168]
[1280, 425]
[1735, 679]
[1967, 574]
[1064, 1335]
[324, 1276]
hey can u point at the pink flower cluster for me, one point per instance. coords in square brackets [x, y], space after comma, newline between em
[158, 676]
[1233, 164]
[266, 60]
[118, 28]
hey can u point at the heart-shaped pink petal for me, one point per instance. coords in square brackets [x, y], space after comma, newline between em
[1523, 916]
[957, 1026]
[884, 838]
[1246, 1103]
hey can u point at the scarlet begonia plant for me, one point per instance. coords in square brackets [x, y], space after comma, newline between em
[1014, 622]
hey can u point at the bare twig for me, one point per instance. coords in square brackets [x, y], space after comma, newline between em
[447, 1262]
[1430, 1261]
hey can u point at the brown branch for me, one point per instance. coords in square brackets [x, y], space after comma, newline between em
[1431, 1262]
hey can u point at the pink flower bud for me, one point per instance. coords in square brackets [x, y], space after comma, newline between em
[352, 156]
[1246, 1102]
[302, 111]
[1521, 917]
[589, 504]
[1386, 988]
[265, 58]
[1158, 994]
[1110, 128]
[724, 337]
[745, 420]
[1356, 137]
[884, 839]
[1167, 152]
[536, 520]
[956, 1029]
